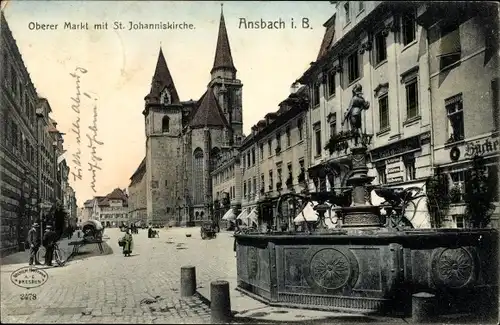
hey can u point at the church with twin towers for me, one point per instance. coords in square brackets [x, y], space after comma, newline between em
[184, 139]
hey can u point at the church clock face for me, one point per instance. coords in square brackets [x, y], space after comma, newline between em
[165, 97]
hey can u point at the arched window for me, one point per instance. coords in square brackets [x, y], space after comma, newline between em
[198, 176]
[165, 124]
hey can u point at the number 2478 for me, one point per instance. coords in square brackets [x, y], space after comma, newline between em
[28, 296]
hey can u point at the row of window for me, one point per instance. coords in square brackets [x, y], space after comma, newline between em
[231, 195]
[354, 64]
[250, 186]
[250, 158]
[18, 90]
[224, 175]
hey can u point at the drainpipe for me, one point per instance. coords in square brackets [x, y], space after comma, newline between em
[429, 92]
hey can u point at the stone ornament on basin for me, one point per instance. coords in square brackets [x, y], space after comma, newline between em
[330, 269]
[453, 268]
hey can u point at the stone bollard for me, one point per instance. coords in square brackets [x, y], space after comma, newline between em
[220, 302]
[188, 281]
[423, 306]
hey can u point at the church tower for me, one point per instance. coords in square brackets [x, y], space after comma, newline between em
[227, 88]
[163, 127]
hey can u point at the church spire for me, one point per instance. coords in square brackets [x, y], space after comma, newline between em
[223, 58]
[161, 80]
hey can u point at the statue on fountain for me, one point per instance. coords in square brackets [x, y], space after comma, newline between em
[353, 114]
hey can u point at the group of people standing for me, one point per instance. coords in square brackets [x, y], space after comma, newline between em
[134, 228]
[35, 240]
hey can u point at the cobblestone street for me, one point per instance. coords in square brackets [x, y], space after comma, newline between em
[142, 288]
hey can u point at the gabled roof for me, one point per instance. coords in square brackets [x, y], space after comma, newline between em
[162, 79]
[208, 112]
[116, 194]
[223, 57]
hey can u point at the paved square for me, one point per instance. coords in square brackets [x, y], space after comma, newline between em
[143, 288]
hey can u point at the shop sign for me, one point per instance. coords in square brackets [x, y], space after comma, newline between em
[393, 170]
[399, 148]
[395, 179]
[482, 147]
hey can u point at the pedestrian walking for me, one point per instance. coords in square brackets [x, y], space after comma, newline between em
[128, 243]
[34, 240]
[236, 232]
[49, 239]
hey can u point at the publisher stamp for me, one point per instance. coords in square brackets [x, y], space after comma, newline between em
[29, 277]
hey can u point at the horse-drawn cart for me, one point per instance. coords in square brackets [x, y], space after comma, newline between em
[208, 230]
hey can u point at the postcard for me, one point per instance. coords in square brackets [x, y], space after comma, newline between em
[249, 161]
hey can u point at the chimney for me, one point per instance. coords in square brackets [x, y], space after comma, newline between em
[254, 130]
[294, 87]
[270, 118]
[261, 125]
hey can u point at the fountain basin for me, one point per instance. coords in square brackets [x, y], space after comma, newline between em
[371, 271]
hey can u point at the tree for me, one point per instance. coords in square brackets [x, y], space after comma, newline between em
[480, 191]
[438, 199]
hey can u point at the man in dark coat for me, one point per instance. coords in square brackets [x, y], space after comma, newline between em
[49, 239]
[34, 241]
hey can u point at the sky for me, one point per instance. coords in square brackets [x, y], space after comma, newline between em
[113, 68]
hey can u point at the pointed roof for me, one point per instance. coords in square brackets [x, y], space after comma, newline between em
[208, 112]
[223, 57]
[161, 80]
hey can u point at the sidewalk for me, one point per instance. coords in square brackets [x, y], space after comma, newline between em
[23, 257]
[249, 310]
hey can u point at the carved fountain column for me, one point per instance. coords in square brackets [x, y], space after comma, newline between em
[360, 214]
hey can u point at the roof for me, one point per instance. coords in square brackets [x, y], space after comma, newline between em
[139, 173]
[117, 194]
[223, 57]
[52, 125]
[208, 112]
[162, 79]
[327, 41]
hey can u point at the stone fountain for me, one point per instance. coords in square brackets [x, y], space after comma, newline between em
[368, 264]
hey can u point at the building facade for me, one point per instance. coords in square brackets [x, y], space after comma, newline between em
[137, 195]
[47, 160]
[70, 206]
[113, 209]
[396, 52]
[226, 184]
[18, 150]
[184, 139]
[462, 41]
[273, 158]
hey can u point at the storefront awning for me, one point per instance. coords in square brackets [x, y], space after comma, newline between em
[310, 215]
[229, 215]
[251, 218]
[307, 214]
[243, 215]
